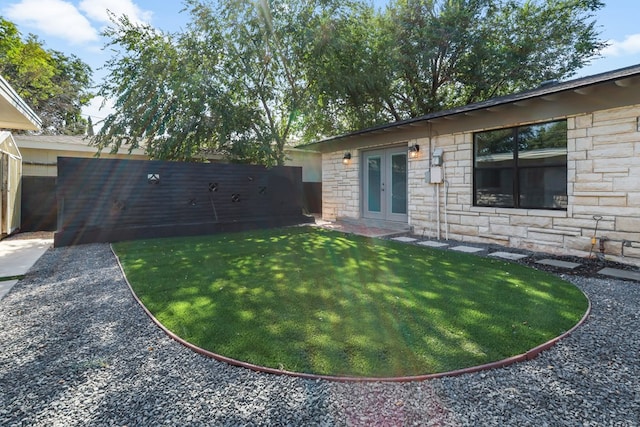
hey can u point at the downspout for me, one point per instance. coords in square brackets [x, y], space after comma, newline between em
[438, 208]
[446, 197]
[436, 191]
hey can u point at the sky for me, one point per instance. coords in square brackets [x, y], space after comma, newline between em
[74, 26]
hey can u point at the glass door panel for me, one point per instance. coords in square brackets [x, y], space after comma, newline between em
[374, 196]
[399, 183]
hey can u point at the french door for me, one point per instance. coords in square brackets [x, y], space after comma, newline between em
[384, 183]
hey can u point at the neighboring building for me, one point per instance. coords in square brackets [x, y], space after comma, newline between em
[15, 114]
[539, 170]
[40, 156]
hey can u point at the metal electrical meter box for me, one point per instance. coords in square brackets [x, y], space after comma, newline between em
[436, 159]
[436, 175]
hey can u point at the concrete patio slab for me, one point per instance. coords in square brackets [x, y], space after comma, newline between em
[432, 244]
[508, 255]
[404, 239]
[558, 263]
[18, 256]
[466, 249]
[621, 274]
[6, 286]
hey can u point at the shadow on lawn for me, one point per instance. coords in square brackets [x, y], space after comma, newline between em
[317, 301]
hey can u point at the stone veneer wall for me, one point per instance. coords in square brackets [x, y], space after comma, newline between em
[340, 186]
[603, 179]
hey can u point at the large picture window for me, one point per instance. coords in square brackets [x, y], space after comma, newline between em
[522, 167]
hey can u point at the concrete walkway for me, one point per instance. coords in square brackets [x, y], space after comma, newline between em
[17, 256]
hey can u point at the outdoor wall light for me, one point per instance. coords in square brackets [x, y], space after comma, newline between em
[413, 151]
[346, 159]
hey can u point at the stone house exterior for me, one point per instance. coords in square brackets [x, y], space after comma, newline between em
[546, 169]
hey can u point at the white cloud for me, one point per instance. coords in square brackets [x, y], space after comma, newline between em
[53, 17]
[629, 46]
[97, 10]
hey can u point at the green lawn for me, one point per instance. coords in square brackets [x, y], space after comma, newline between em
[311, 300]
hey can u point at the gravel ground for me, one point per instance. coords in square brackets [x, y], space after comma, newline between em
[75, 349]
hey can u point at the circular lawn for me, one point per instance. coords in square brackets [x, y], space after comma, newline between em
[314, 301]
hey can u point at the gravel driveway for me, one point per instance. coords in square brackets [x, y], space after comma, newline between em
[75, 349]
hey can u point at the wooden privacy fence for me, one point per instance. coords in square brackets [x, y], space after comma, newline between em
[108, 200]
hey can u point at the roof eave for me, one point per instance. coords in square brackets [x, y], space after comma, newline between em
[546, 90]
[19, 115]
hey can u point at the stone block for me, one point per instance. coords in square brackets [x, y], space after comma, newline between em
[605, 210]
[612, 128]
[619, 236]
[614, 114]
[475, 220]
[576, 133]
[613, 201]
[633, 251]
[583, 144]
[577, 155]
[547, 213]
[584, 223]
[541, 245]
[465, 230]
[588, 177]
[578, 243]
[621, 138]
[628, 223]
[561, 231]
[620, 162]
[618, 151]
[583, 200]
[630, 183]
[584, 166]
[592, 186]
[531, 221]
[584, 121]
[546, 237]
[633, 199]
[508, 230]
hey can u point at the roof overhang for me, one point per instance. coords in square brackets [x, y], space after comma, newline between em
[14, 112]
[600, 91]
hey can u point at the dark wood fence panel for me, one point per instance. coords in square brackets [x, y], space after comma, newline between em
[107, 200]
[39, 208]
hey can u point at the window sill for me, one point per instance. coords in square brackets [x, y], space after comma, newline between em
[513, 211]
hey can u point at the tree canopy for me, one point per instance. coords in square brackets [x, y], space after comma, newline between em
[54, 85]
[248, 77]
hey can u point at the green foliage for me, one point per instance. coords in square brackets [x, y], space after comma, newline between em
[246, 78]
[423, 56]
[166, 93]
[54, 85]
[311, 300]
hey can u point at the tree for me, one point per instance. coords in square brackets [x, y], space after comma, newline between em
[233, 82]
[248, 77]
[429, 55]
[54, 85]
[165, 91]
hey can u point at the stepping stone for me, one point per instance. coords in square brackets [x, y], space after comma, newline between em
[466, 249]
[6, 286]
[433, 244]
[404, 239]
[558, 263]
[622, 274]
[508, 255]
